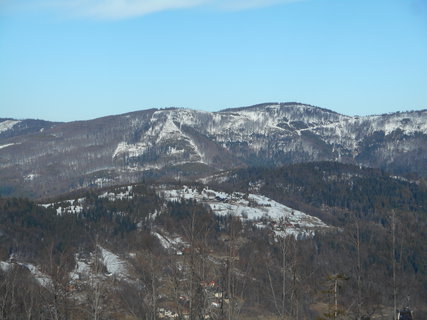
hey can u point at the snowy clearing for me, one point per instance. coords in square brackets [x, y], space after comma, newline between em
[251, 207]
[7, 125]
[115, 266]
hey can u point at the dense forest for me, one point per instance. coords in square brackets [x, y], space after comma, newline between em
[371, 260]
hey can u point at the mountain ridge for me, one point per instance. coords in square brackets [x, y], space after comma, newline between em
[180, 143]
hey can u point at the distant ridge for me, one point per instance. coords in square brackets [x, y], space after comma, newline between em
[39, 157]
[282, 104]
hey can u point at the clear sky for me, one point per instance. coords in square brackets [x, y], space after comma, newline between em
[69, 60]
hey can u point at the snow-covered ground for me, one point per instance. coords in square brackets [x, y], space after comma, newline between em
[115, 266]
[81, 270]
[163, 130]
[102, 182]
[112, 196]
[254, 125]
[7, 145]
[7, 125]
[170, 243]
[5, 266]
[249, 207]
[71, 208]
[31, 176]
[42, 278]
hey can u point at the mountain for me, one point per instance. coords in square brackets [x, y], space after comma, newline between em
[42, 158]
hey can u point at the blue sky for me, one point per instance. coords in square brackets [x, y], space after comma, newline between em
[69, 60]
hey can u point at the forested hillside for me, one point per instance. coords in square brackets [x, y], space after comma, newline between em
[133, 252]
[330, 189]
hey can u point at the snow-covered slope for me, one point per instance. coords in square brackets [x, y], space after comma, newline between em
[184, 142]
[7, 125]
[252, 207]
[163, 133]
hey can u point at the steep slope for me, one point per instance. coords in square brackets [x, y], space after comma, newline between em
[180, 143]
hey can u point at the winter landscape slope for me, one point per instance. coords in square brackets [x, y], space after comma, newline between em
[178, 143]
[172, 250]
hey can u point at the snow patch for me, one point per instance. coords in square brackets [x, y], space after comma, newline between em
[85, 266]
[8, 145]
[70, 209]
[126, 194]
[115, 266]
[102, 181]
[252, 207]
[7, 125]
[73, 207]
[165, 131]
[31, 176]
[43, 279]
[175, 244]
[131, 150]
[5, 266]
[82, 269]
